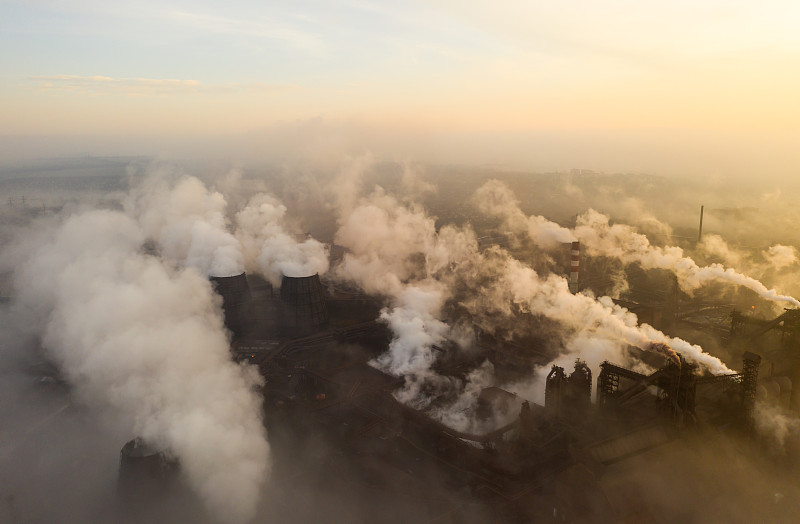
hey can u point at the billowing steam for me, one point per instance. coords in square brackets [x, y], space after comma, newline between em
[599, 238]
[780, 256]
[416, 331]
[187, 221]
[269, 249]
[496, 199]
[585, 316]
[624, 243]
[395, 250]
[145, 340]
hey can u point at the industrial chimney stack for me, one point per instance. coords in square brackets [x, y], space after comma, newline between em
[574, 266]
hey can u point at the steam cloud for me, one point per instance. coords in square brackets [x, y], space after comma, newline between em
[269, 249]
[598, 237]
[549, 296]
[188, 223]
[781, 256]
[147, 342]
[125, 308]
[496, 199]
[624, 243]
[395, 250]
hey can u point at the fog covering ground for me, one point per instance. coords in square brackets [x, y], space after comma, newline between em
[59, 453]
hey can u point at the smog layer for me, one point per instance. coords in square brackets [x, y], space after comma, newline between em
[113, 327]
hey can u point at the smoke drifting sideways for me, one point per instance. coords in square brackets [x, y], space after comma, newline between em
[395, 249]
[619, 241]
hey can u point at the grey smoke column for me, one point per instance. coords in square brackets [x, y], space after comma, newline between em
[303, 303]
[236, 301]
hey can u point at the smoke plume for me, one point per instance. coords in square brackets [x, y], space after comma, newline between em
[496, 199]
[624, 243]
[600, 238]
[187, 221]
[394, 249]
[780, 256]
[775, 425]
[549, 296]
[270, 249]
[145, 340]
[416, 328]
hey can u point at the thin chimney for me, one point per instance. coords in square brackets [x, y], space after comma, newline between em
[700, 233]
[574, 266]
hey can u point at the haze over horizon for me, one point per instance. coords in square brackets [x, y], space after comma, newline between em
[684, 88]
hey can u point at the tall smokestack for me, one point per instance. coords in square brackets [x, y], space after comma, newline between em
[700, 232]
[574, 266]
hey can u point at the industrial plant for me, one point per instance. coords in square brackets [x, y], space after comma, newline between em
[219, 363]
[315, 342]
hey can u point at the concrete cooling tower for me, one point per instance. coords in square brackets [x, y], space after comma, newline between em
[144, 471]
[303, 307]
[236, 301]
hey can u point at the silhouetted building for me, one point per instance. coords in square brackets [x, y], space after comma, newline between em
[568, 396]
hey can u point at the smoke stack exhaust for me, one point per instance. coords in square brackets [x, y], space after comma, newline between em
[574, 266]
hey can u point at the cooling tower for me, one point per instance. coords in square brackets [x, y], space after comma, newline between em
[236, 301]
[144, 471]
[303, 307]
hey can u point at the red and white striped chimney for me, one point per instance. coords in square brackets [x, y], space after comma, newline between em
[574, 266]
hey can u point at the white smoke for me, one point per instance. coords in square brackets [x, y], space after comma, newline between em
[460, 414]
[416, 328]
[780, 256]
[549, 296]
[270, 249]
[188, 223]
[496, 199]
[620, 241]
[394, 250]
[775, 425]
[600, 238]
[146, 341]
[714, 246]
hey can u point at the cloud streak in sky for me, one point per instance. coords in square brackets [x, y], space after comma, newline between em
[99, 84]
